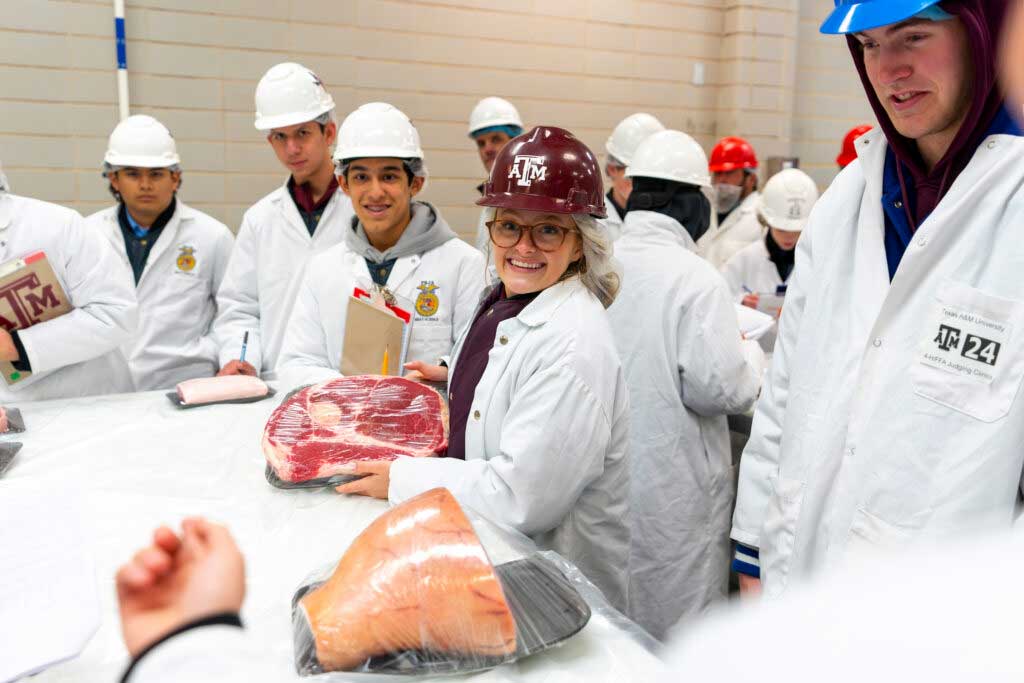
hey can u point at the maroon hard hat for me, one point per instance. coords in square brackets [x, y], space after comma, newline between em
[546, 169]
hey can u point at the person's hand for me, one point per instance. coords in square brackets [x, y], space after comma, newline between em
[419, 371]
[750, 587]
[751, 300]
[237, 367]
[176, 581]
[376, 477]
[8, 351]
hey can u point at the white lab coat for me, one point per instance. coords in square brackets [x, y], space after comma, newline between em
[76, 354]
[752, 270]
[483, 237]
[208, 654]
[270, 255]
[176, 294]
[313, 345]
[882, 423]
[739, 229]
[942, 616]
[613, 221]
[687, 369]
[546, 438]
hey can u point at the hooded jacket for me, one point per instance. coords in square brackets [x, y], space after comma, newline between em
[922, 189]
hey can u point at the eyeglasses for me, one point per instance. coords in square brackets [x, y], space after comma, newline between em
[547, 237]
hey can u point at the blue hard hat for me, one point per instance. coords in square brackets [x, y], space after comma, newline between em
[851, 16]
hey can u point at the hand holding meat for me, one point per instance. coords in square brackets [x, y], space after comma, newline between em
[418, 371]
[177, 580]
[374, 483]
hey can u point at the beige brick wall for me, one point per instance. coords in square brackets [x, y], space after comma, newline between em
[582, 64]
[830, 99]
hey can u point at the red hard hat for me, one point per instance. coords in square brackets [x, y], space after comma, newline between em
[732, 153]
[849, 152]
[546, 169]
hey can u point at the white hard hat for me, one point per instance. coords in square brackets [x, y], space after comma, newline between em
[787, 200]
[628, 135]
[377, 129]
[290, 94]
[671, 155]
[143, 142]
[493, 111]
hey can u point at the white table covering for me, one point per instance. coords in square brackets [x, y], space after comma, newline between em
[137, 461]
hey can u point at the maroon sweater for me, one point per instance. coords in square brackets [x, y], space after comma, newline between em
[473, 358]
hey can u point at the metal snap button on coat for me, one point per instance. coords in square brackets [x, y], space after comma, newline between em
[476, 414]
[503, 340]
[898, 204]
[877, 342]
[991, 144]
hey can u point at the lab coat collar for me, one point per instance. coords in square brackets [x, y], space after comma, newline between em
[283, 198]
[547, 302]
[652, 223]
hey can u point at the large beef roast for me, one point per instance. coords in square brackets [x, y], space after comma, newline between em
[366, 417]
[417, 578]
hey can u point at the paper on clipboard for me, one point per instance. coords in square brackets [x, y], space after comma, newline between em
[376, 336]
[30, 293]
[753, 324]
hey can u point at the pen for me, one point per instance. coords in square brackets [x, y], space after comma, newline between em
[746, 289]
[245, 342]
[384, 365]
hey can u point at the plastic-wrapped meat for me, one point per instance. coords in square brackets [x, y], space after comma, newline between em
[226, 388]
[4, 426]
[417, 578]
[365, 417]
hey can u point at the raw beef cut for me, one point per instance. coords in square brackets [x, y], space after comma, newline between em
[417, 578]
[226, 388]
[365, 417]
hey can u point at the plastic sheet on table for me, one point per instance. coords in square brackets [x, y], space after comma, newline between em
[423, 590]
[318, 430]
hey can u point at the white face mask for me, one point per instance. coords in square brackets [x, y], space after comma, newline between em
[726, 197]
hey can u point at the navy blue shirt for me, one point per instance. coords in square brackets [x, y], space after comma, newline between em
[898, 231]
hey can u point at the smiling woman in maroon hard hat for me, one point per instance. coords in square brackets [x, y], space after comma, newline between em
[538, 404]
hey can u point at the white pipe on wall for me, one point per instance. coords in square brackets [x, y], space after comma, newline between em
[122, 59]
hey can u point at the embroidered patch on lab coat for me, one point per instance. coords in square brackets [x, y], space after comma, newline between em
[186, 259]
[427, 302]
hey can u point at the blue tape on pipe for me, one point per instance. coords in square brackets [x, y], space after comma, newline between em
[122, 50]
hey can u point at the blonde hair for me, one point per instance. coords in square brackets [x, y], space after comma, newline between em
[597, 269]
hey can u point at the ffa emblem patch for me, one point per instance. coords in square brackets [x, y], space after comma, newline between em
[186, 259]
[427, 302]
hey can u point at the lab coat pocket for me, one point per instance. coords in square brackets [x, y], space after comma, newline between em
[430, 340]
[870, 534]
[778, 537]
[969, 358]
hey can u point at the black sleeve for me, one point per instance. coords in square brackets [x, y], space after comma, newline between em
[23, 364]
[223, 619]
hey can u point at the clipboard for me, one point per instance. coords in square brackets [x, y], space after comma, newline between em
[376, 337]
[30, 293]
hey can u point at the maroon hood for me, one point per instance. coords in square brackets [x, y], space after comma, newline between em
[983, 20]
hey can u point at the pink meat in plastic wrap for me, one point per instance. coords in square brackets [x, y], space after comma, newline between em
[366, 417]
[226, 388]
[4, 425]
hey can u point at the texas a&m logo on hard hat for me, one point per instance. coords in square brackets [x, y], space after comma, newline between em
[527, 168]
